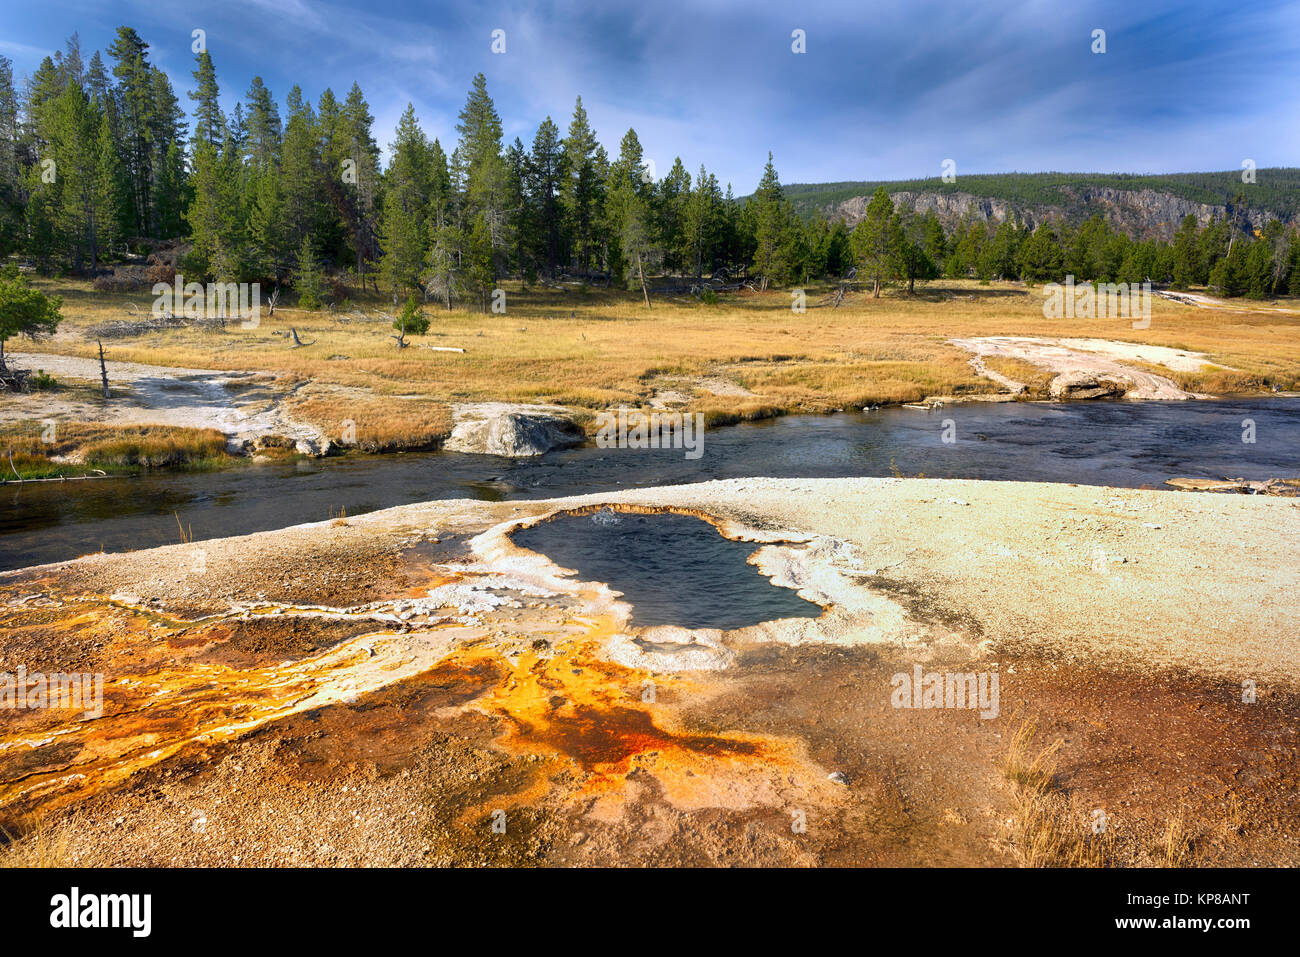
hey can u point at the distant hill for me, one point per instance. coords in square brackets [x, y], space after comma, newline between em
[1141, 205]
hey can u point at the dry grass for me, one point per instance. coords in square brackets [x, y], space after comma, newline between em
[79, 447]
[1176, 848]
[1054, 828]
[377, 423]
[1209, 379]
[1050, 828]
[601, 348]
[1035, 378]
[39, 845]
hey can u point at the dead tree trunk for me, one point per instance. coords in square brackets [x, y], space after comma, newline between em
[103, 369]
[645, 291]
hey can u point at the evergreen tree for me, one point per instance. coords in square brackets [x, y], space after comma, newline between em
[264, 129]
[1186, 253]
[363, 193]
[209, 121]
[913, 258]
[308, 281]
[770, 222]
[12, 194]
[878, 242]
[582, 195]
[626, 196]
[136, 97]
[628, 215]
[271, 249]
[670, 198]
[403, 227]
[704, 224]
[545, 179]
[485, 174]
[1041, 256]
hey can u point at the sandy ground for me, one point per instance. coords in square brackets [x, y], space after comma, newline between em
[242, 405]
[1097, 356]
[672, 391]
[1210, 302]
[375, 690]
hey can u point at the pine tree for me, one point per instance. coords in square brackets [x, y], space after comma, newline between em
[485, 172]
[12, 199]
[136, 97]
[209, 121]
[264, 129]
[403, 228]
[625, 196]
[878, 242]
[520, 217]
[582, 195]
[704, 224]
[212, 218]
[670, 197]
[546, 175]
[446, 254]
[271, 250]
[25, 310]
[770, 223]
[1186, 254]
[362, 150]
[913, 258]
[1041, 256]
[308, 281]
[169, 190]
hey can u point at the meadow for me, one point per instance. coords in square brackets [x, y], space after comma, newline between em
[748, 355]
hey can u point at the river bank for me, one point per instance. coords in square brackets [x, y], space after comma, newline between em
[1099, 443]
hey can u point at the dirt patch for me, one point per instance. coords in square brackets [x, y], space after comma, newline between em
[246, 644]
[1097, 359]
[242, 405]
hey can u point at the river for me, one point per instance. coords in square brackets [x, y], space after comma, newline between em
[1128, 444]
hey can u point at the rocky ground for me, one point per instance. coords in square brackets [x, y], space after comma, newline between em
[409, 687]
[246, 406]
[1089, 368]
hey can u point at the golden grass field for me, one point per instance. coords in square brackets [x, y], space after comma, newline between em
[75, 447]
[596, 348]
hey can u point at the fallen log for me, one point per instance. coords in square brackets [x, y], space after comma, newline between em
[1242, 486]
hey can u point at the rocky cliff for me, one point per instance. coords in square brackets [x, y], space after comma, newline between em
[1143, 213]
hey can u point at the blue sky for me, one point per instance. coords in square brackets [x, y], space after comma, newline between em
[885, 90]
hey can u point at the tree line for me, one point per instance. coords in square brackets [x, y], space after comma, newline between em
[98, 157]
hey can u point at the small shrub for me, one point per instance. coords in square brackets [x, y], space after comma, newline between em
[412, 318]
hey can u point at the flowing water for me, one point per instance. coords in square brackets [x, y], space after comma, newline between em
[1127, 444]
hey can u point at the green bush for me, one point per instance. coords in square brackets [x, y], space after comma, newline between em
[412, 318]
